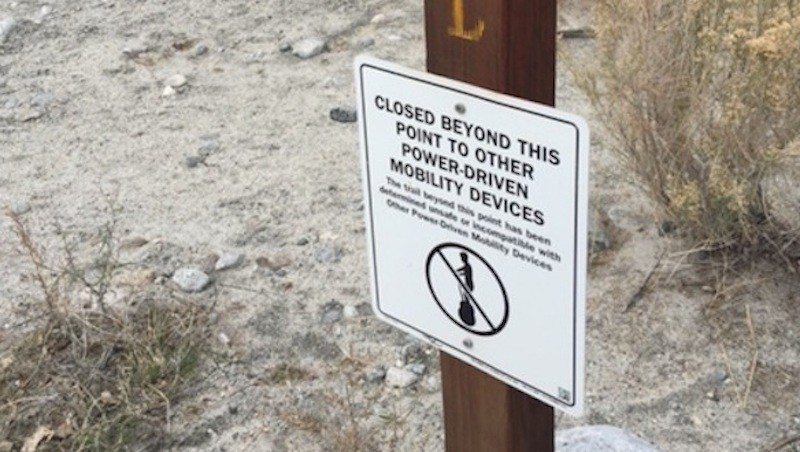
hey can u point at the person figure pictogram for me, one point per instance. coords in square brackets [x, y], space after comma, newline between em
[465, 310]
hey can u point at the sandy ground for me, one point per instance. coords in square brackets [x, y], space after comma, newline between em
[84, 122]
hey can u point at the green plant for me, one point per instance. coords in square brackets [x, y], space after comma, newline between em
[702, 101]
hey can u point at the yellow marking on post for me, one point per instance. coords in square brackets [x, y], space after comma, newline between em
[457, 28]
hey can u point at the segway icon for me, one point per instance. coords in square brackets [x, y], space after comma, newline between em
[467, 289]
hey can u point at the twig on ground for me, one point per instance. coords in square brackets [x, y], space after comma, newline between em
[783, 443]
[643, 287]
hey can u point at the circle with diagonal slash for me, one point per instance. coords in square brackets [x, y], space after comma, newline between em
[467, 289]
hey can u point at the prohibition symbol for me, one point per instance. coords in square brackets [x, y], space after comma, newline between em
[467, 289]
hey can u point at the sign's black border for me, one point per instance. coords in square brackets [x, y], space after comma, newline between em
[554, 398]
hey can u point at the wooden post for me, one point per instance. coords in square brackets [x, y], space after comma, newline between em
[507, 46]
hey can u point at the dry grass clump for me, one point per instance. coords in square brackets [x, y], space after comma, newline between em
[702, 98]
[90, 376]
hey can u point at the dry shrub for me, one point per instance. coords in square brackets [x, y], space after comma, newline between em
[87, 376]
[702, 100]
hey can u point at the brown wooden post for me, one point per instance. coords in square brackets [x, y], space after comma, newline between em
[507, 46]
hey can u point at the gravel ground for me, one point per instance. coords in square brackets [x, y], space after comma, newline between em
[208, 125]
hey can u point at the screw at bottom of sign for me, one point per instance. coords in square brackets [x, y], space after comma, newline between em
[565, 395]
[467, 343]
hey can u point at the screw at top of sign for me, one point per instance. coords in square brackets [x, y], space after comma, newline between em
[461, 109]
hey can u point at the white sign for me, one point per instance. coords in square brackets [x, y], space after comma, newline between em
[476, 213]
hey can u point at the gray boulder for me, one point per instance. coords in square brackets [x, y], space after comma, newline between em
[600, 438]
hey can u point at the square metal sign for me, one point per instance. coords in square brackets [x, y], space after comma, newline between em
[476, 212]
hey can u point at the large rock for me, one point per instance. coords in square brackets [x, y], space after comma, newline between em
[600, 438]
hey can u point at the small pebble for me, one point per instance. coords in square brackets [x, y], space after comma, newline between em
[302, 242]
[285, 47]
[20, 207]
[191, 280]
[400, 378]
[209, 147]
[309, 48]
[42, 100]
[7, 25]
[193, 161]
[344, 114]
[168, 91]
[201, 50]
[229, 261]
[418, 369]
[224, 339]
[329, 255]
[331, 312]
[176, 81]
[376, 375]
[350, 311]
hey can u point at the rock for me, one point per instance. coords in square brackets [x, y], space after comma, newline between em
[418, 368]
[309, 48]
[400, 378]
[328, 255]
[228, 261]
[350, 311]
[168, 91]
[20, 207]
[720, 376]
[344, 114]
[3, 82]
[600, 438]
[378, 19]
[209, 147]
[274, 263]
[42, 100]
[412, 353]
[191, 280]
[193, 161]
[224, 339]
[200, 50]
[6, 446]
[7, 25]
[42, 14]
[376, 375]
[285, 47]
[176, 81]
[302, 242]
[331, 312]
